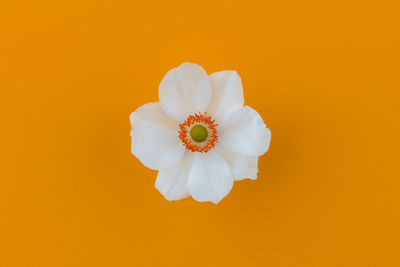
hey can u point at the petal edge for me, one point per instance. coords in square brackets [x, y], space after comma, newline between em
[227, 93]
[210, 178]
[172, 183]
[185, 90]
[156, 147]
[243, 167]
[243, 131]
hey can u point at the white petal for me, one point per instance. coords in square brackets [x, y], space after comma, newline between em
[172, 183]
[210, 178]
[152, 113]
[227, 93]
[243, 131]
[156, 147]
[185, 90]
[242, 167]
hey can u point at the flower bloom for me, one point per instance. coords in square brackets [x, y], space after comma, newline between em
[199, 136]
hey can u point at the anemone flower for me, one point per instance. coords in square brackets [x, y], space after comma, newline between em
[199, 136]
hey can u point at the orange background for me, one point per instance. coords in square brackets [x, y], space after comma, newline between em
[325, 76]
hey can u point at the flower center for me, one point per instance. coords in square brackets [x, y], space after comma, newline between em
[198, 133]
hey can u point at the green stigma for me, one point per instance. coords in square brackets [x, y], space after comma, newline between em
[198, 133]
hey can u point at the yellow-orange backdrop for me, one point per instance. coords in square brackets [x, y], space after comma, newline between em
[325, 76]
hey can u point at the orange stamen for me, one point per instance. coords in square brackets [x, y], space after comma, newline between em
[208, 123]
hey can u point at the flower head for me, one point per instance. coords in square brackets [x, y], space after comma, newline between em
[199, 136]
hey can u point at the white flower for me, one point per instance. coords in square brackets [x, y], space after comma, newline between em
[199, 136]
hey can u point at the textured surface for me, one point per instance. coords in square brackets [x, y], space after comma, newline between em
[325, 77]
